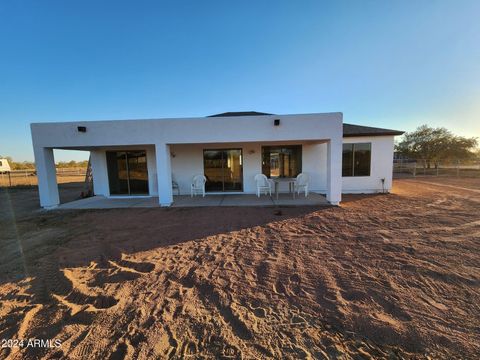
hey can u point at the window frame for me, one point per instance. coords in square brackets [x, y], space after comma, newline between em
[353, 146]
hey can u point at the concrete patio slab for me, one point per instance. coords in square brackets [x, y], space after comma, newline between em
[246, 200]
[288, 200]
[101, 202]
[188, 201]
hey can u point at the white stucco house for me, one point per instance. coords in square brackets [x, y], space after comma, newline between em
[143, 157]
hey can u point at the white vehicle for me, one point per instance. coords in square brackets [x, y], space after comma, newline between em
[4, 165]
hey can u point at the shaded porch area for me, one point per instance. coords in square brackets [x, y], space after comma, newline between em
[101, 202]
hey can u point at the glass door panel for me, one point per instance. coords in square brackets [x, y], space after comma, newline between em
[127, 172]
[282, 161]
[137, 172]
[117, 172]
[223, 169]
[232, 171]
[213, 164]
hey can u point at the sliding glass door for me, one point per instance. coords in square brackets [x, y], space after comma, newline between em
[223, 169]
[127, 172]
[282, 161]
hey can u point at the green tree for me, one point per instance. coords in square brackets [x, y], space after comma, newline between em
[72, 164]
[432, 145]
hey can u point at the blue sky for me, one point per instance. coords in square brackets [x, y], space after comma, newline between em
[393, 64]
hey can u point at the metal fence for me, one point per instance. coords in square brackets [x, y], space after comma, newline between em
[406, 168]
[28, 177]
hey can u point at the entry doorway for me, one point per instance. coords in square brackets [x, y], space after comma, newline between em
[223, 169]
[127, 172]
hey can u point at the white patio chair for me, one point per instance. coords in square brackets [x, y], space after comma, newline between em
[198, 185]
[301, 183]
[263, 184]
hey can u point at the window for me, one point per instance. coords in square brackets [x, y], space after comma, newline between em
[356, 159]
[347, 160]
[282, 161]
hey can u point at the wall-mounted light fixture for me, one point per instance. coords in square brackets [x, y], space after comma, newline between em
[251, 151]
[172, 154]
[276, 122]
[81, 128]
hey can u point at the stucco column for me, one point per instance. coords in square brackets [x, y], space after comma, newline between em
[164, 174]
[334, 171]
[98, 162]
[47, 177]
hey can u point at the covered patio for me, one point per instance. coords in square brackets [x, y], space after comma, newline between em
[142, 159]
[102, 202]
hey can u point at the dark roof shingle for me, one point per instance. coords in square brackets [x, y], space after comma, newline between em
[239, 113]
[350, 130]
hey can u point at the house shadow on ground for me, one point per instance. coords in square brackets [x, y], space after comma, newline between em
[39, 244]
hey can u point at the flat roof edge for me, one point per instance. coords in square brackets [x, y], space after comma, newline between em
[183, 118]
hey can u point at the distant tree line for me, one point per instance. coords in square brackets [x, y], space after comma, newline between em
[435, 145]
[72, 164]
[29, 165]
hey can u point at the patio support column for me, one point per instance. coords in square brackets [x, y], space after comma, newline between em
[47, 177]
[164, 174]
[334, 171]
[98, 161]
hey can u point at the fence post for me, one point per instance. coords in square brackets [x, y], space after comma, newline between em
[458, 168]
[438, 167]
[415, 169]
[9, 180]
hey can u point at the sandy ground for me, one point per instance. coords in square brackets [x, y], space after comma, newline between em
[385, 276]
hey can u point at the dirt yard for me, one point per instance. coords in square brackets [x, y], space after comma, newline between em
[385, 276]
[27, 179]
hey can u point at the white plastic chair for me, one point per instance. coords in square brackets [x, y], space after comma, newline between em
[198, 185]
[263, 184]
[301, 183]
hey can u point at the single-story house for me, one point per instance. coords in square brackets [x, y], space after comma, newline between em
[144, 157]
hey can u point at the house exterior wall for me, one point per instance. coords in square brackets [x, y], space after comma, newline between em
[98, 160]
[187, 161]
[381, 166]
[187, 131]
[175, 148]
[158, 136]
